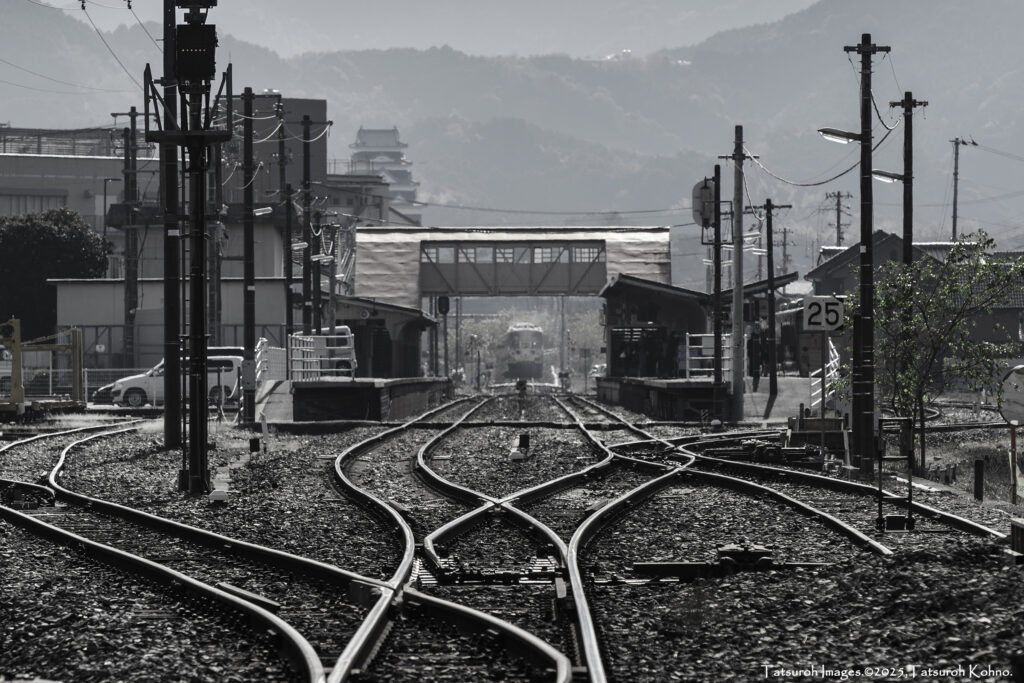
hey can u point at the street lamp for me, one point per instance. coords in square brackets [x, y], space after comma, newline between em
[841, 136]
[105, 181]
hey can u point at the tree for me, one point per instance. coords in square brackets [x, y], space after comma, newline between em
[35, 247]
[927, 320]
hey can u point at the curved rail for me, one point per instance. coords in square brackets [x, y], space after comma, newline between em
[363, 646]
[513, 638]
[296, 647]
[843, 485]
[211, 539]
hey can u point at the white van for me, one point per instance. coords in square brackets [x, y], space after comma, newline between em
[138, 390]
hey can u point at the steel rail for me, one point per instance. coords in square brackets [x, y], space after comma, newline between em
[66, 432]
[457, 491]
[295, 646]
[867, 490]
[362, 646]
[350, 580]
[510, 636]
[365, 644]
[589, 641]
[453, 528]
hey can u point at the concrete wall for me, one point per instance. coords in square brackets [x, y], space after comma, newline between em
[97, 306]
[76, 182]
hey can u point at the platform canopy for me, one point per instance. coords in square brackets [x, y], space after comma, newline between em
[403, 265]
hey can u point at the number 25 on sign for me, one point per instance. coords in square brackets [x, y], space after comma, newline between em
[822, 313]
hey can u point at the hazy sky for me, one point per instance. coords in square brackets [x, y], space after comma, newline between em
[582, 28]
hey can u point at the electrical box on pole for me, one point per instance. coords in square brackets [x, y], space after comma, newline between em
[194, 68]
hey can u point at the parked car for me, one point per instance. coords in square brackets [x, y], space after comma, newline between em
[599, 370]
[148, 388]
[102, 396]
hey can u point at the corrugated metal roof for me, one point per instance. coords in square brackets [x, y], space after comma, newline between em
[387, 259]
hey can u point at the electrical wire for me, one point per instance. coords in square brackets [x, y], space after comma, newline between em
[270, 136]
[49, 90]
[999, 152]
[100, 4]
[57, 80]
[537, 212]
[879, 115]
[233, 169]
[821, 182]
[892, 67]
[255, 175]
[111, 50]
[158, 46]
[59, 9]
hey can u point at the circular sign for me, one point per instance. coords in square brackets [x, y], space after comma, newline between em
[1011, 407]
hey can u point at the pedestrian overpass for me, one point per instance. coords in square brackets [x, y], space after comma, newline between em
[405, 265]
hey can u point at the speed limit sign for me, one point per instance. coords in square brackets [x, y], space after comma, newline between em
[822, 313]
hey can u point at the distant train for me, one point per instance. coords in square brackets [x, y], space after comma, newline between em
[521, 351]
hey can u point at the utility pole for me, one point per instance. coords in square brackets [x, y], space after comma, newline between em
[172, 237]
[317, 234]
[131, 232]
[956, 173]
[773, 382]
[839, 196]
[909, 103]
[285, 190]
[864, 332]
[707, 212]
[248, 266]
[716, 298]
[193, 66]
[215, 254]
[307, 232]
[785, 249]
[737, 158]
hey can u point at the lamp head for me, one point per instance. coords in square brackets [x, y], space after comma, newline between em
[887, 176]
[841, 136]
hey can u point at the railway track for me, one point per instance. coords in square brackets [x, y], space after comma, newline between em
[327, 604]
[70, 614]
[591, 558]
[703, 520]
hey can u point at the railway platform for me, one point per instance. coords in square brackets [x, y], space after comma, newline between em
[691, 399]
[340, 398]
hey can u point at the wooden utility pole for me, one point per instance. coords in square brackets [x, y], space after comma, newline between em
[909, 104]
[737, 157]
[248, 266]
[956, 173]
[307, 232]
[864, 332]
[130, 229]
[773, 382]
[839, 196]
[172, 238]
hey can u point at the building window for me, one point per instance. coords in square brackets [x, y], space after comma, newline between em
[503, 255]
[18, 204]
[428, 255]
[446, 254]
[550, 255]
[484, 254]
[588, 254]
[467, 255]
[522, 254]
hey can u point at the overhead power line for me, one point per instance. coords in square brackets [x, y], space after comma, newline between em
[111, 50]
[55, 80]
[544, 213]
